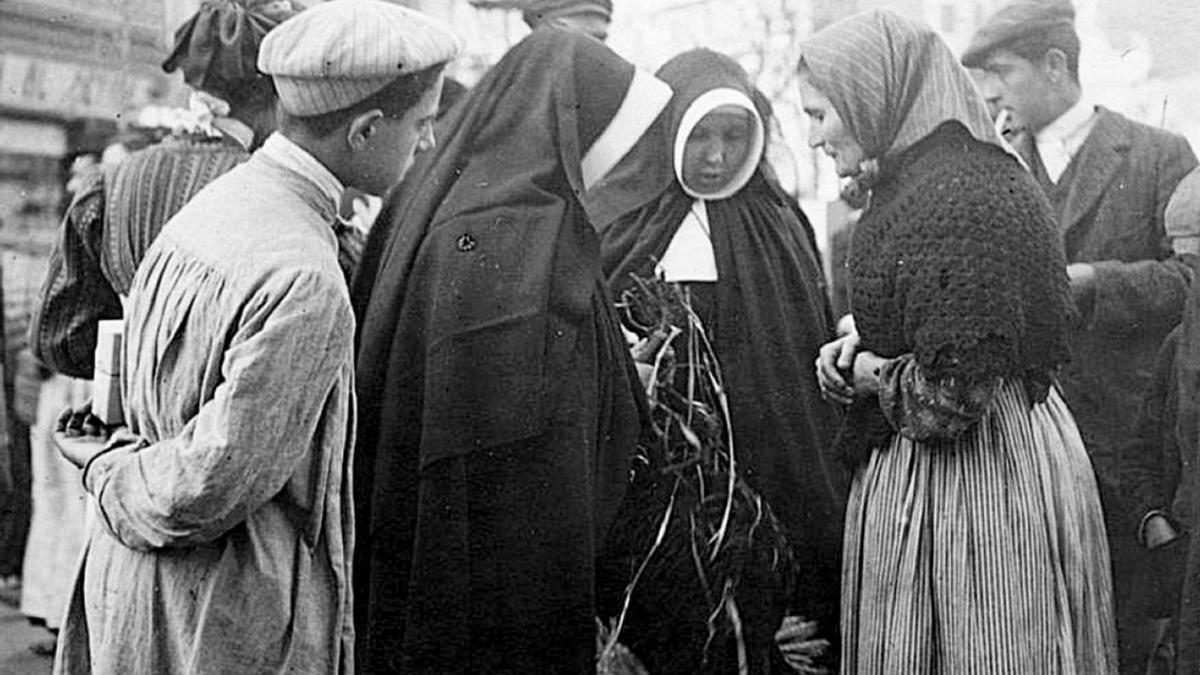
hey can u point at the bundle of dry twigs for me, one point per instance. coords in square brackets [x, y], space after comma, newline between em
[705, 570]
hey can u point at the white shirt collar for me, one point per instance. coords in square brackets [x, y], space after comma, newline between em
[1070, 127]
[284, 151]
[1059, 141]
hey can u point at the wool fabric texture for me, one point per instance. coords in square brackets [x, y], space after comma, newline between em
[499, 405]
[340, 52]
[958, 262]
[892, 80]
[1017, 20]
[1159, 476]
[218, 46]
[958, 226]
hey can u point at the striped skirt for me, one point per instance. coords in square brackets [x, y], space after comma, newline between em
[986, 554]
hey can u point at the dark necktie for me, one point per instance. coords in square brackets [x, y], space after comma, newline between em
[351, 242]
[1037, 167]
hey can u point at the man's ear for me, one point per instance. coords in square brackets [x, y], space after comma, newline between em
[361, 128]
[1055, 62]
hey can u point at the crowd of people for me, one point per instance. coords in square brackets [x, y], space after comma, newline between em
[432, 436]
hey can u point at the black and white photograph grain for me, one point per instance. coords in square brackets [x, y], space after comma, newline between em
[599, 337]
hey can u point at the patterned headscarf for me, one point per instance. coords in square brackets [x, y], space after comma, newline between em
[893, 81]
[217, 49]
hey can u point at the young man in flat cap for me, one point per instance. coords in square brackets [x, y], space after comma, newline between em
[224, 536]
[1108, 180]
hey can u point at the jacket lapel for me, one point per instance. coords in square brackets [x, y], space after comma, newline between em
[1101, 155]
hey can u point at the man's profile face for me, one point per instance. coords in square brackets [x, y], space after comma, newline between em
[1010, 82]
[397, 141]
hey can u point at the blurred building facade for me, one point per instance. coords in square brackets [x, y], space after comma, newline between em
[72, 73]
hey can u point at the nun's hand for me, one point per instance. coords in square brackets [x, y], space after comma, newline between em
[835, 369]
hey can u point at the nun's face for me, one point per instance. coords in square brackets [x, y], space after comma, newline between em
[827, 132]
[717, 148]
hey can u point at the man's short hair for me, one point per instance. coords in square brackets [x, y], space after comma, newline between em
[394, 100]
[1029, 29]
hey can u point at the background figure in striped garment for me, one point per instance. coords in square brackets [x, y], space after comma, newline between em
[975, 541]
[117, 213]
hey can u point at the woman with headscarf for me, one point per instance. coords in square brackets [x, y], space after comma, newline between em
[499, 408]
[745, 254]
[974, 537]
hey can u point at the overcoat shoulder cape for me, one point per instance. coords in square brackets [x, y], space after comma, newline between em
[499, 404]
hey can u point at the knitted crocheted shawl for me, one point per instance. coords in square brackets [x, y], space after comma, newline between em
[959, 262]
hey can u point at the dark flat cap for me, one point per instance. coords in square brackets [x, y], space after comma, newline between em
[537, 11]
[1016, 20]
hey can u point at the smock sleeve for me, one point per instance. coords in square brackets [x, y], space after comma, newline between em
[1129, 296]
[259, 429]
[1151, 458]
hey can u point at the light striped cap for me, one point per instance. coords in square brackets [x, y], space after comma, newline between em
[339, 52]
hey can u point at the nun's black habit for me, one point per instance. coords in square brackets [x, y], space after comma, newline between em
[769, 315]
[498, 405]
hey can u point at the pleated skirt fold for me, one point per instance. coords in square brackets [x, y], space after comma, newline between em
[985, 554]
